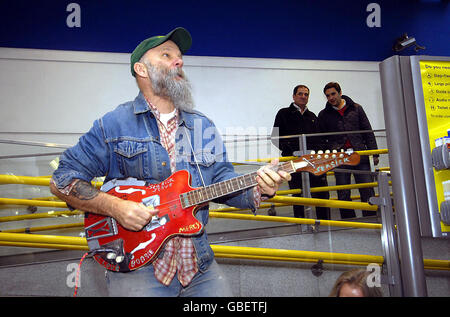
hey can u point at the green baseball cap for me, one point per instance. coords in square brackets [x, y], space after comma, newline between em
[179, 36]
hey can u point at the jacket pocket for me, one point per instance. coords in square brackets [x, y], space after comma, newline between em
[203, 158]
[133, 158]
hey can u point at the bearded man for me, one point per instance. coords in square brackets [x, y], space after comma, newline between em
[149, 139]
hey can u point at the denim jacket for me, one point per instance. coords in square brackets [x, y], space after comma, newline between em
[126, 143]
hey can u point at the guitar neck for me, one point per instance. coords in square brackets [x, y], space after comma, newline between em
[211, 192]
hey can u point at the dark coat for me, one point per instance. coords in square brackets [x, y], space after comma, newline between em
[354, 119]
[289, 121]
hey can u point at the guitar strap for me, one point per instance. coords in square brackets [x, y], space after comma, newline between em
[195, 157]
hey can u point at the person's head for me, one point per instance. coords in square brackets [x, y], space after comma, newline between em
[333, 93]
[353, 283]
[157, 65]
[301, 95]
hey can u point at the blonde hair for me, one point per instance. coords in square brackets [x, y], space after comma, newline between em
[356, 278]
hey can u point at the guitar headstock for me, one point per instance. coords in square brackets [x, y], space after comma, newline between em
[322, 162]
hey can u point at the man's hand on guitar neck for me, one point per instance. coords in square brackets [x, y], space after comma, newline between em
[269, 180]
[83, 196]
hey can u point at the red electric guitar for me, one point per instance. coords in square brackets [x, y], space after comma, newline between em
[119, 249]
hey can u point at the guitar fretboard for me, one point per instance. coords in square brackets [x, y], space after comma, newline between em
[211, 192]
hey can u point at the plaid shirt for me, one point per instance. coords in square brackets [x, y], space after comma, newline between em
[179, 252]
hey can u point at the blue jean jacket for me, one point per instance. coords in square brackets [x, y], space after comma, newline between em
[126, 143]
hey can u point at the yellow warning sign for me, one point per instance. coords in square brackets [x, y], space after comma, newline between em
[436, 91]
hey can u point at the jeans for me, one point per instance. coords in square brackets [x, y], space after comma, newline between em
[142, 283]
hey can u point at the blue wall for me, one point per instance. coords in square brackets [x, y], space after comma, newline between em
[308, 29]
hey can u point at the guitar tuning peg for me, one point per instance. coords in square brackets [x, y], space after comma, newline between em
[342, 150]
[313, 152]
[327, 151]
[341, 155]
[333, 156]
[334, 151]
[320, 152]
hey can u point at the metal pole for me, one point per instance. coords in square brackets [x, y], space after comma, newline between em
[388, 235]
[306, 188]
[410, 246]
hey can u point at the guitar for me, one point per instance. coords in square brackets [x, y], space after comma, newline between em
[121, 250]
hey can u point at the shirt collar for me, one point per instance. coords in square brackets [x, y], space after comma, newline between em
[299, 109]
[337, 109]
[140, 104]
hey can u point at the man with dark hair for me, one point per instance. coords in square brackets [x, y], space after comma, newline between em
[342, 114]
[294, 120]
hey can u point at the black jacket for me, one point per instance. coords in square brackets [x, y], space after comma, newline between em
[289, 121]
[354, 119]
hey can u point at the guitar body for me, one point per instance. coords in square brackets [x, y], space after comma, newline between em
[119, 249]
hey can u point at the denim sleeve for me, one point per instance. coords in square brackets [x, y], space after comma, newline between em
[86, 160]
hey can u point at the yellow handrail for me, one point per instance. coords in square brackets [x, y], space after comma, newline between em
[262, 206]
[322, 203]
[49, 214]
[42, 238]
[306, 221]
[44, 245]
[32, 180]
[296, 254]
[32, 202]
[77, 243]
[27, 180]
[328, 188]
[45, 228]
[285, 259]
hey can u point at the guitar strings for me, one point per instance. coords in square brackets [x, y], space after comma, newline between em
[284, 166]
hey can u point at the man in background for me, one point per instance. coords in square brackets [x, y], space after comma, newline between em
[294, 120]
[342, 114]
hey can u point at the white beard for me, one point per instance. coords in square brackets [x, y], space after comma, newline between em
[165, 84]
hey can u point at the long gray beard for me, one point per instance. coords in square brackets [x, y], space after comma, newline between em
[165, 84]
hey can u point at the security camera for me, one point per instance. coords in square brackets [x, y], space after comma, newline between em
[405, 41]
